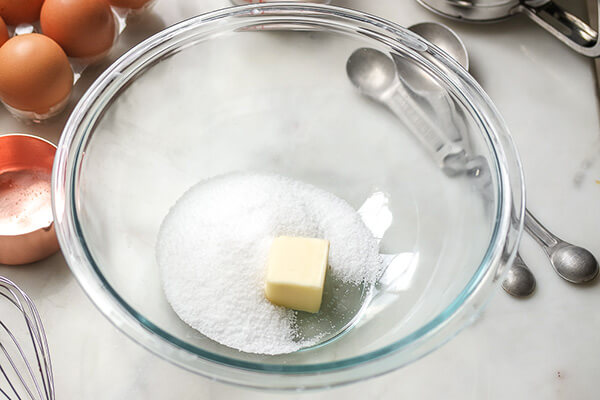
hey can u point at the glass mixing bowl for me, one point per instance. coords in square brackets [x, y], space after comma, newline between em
[264, 88]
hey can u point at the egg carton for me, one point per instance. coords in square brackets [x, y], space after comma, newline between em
[122, 16]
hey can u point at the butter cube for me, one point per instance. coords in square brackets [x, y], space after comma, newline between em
[296, 272]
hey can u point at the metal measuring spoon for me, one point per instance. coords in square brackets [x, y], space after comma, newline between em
[375, 75]
[572, 263]
[428, 89]
[519, 280]
[444, 38]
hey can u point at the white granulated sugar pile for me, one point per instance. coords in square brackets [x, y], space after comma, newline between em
[213, 247]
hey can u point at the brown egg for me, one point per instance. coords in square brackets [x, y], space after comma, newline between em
[3, 32]
[16, 12]
[83, 28]
[133, 4]
[35, 74]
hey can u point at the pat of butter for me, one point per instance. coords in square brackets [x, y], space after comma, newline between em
[296, 272]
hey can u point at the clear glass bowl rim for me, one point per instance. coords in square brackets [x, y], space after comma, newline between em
[66, 172]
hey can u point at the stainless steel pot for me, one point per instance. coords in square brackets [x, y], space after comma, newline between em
[568, 28]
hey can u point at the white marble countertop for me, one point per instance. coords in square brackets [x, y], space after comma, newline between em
[544, 347]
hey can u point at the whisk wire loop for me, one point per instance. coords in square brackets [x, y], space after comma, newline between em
[25, 379]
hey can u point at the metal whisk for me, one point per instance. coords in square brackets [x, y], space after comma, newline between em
[25, 366]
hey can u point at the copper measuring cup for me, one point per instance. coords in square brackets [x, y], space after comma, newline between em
[26, 224]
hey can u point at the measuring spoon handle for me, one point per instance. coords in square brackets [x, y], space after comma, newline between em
[543, 236]
[448, 155]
